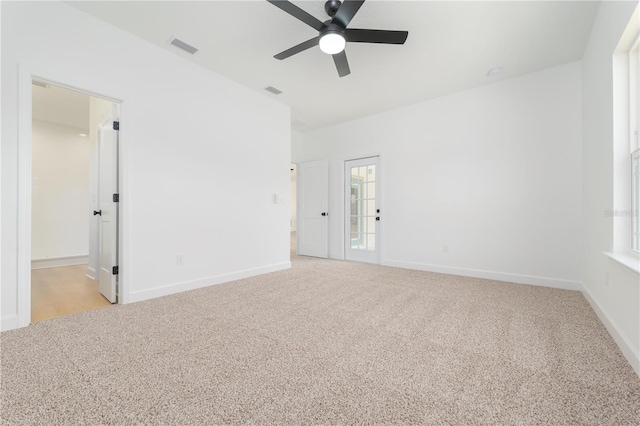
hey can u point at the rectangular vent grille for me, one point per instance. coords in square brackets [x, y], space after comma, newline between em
[273, 90]
[184, 46]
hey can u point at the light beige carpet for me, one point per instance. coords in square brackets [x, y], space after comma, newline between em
[327, 342]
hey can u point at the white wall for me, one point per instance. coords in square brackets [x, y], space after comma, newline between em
[493, 172]
[613, 290]
[193, 171]
[297, 144]
[60, 170]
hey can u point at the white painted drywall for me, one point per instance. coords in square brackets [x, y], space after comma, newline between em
[297, 144]
[60, 187]
[202, 155]
[494, 173]
[98, 110]
[618, 296]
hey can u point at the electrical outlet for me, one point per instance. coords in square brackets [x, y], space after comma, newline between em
[606, 278]
[179, 259]
[445, 248]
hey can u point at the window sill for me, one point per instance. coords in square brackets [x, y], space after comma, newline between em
[629, 260]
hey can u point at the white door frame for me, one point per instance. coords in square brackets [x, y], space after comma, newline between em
[347, 206]
[23, 249]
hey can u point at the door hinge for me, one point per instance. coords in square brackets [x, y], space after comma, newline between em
[116, 125]
[114, 270]
[116, 198]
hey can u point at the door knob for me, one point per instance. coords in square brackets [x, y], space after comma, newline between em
[99, 212]
[325, 214]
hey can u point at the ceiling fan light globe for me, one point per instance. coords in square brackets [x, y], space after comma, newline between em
[332, 43]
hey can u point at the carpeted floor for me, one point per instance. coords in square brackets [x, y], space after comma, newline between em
[327, 342]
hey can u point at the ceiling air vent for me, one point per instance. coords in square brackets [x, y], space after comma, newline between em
[273, 90]
[182, 45]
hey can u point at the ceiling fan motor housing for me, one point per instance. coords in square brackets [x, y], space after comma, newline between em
[331, 7]
[331, 28]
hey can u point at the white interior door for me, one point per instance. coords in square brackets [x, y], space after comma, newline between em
[313, 195]
[362, 208]
[108, 180]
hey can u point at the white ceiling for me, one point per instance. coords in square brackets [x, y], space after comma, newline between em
[451, 46]
[62, 106]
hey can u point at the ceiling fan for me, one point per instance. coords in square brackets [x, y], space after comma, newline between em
[333, 34]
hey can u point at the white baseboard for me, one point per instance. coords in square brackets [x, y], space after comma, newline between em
[55, 262]
[9, 323]
[490, 275]
[91, 273]
[138, 296]
[627, 350]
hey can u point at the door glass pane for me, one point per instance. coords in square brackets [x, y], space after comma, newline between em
[371, 207]
[371, 173]
[354, 174]
[371, 190]
[358, 241]
[355, 240]
[371, 242]
[362, 173]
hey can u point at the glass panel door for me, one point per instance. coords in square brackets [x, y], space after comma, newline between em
[363, 214]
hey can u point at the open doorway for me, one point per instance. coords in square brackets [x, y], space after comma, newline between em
[294, 209]
[68, 172]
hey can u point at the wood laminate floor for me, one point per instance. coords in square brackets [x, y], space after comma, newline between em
[294, 244]
[56, 292]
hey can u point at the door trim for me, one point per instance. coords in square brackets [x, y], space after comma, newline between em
[23, 242]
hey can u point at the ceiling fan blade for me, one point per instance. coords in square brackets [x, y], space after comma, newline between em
[297, 49]
[342, 65]
[346, 12]
[375, 36]
[298, 13]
